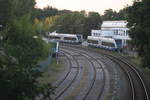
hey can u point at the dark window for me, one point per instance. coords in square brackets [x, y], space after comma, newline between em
[108, 44]
[54, 37]
[115, 32]
[93, 41]
[127, 32]
[69, 38]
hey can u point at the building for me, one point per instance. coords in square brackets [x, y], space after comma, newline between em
[96, 33]
[114, 29]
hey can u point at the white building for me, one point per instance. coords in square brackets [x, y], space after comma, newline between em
[114, 29]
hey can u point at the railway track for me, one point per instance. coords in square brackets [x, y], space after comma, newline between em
[138, 88]
[69, 70]
[93, 82]
[65, 78]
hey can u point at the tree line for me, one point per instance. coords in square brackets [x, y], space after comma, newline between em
[75, 22]
[138, 18]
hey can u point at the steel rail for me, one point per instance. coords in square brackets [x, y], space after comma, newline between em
[103, 85]
[65, 89]
[125, 62]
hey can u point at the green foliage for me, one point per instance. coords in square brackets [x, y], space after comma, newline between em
[19, 57]
[14, 8]
[139, 21]
[5, 11]
[77, 23]
[22, 7]
[46, 12]
[109, 14]
[20, 53]
[93, 21]
[69, 23]
[147, 71]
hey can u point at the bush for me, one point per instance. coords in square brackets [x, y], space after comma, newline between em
[18, 61]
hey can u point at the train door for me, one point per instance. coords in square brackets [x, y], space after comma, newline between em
[119, 43]
[80, 38]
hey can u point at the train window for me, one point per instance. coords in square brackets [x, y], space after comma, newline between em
[69, 38]
[54, 37]
[93, 41]
[108, 44]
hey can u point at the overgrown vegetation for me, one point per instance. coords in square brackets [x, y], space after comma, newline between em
[21, 48]
[139, 23]
[54, 70]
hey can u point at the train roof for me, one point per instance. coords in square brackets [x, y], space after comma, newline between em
[101, 38]
[63, 35]
[93, 38]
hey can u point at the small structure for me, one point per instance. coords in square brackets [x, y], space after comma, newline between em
[114, 29]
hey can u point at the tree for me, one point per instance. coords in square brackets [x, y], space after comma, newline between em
[5, 11]
[122, 14]
[77, 23]
[14, 8]
[20, 53]
[70, 23]
[139, 21]
[109, 14]
[48, 11]
[92, 21]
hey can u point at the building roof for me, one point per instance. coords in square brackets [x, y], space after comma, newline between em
[114, 24]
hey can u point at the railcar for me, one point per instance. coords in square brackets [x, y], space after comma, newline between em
[67, 38]
[102, 42]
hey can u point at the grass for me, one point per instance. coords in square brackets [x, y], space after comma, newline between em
[146, 71]
[47, 49]
[133, 59]
[137, 62]
[52, 73]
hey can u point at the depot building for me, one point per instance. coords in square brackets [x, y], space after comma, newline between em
[114, 29]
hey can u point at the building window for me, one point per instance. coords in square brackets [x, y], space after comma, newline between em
[115, 32]
[127, 32]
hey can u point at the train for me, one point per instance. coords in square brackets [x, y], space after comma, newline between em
[102, 42]
[99, 42]
[66, 38]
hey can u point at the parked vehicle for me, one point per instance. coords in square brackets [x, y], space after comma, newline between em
[101, 42]
[67, 38]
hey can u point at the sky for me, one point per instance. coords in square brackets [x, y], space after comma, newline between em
[88, 5]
